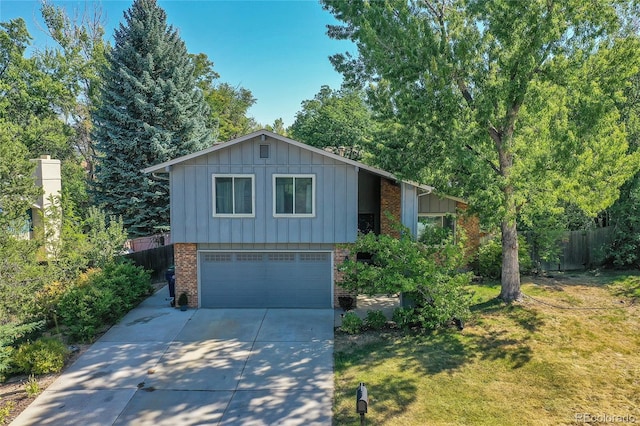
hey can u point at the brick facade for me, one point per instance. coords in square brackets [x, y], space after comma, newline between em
[390, 203]
[186, 262]
[471, 226]
[339, 255]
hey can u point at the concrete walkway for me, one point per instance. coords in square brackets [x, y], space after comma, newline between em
[161, 366]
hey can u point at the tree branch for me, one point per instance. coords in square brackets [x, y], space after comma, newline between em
[491, 164]
[438, 15]
[466, 94]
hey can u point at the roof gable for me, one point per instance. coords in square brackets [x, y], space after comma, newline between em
[166, 166]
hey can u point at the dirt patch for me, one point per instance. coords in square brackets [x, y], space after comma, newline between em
[13, 391]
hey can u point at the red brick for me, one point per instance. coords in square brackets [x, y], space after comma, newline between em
[186, 262]
[390, 205]
[340, 254]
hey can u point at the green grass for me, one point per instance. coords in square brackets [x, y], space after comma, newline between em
[538, 362]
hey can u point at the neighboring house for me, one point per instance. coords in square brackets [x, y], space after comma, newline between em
[47, 176]
[264, 221]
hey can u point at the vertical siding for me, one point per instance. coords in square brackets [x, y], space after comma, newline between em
[178, 224]
[410, 208]
[431, 203]
[192, 197]
[205, 210]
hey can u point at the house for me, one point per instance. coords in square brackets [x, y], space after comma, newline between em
[264, 221]
[43, 214]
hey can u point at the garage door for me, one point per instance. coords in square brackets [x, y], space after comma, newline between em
[265, 280]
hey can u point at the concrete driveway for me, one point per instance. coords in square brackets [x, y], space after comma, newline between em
[161, 366]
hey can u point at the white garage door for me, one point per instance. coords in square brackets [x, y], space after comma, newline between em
[265, 279]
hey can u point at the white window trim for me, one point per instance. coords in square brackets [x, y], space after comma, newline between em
[233, 194]
[313, 194]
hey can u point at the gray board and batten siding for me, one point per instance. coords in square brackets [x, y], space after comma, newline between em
[336, 214]
[410, 202]
[433, 204]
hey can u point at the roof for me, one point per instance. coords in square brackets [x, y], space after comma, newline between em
[165, 167]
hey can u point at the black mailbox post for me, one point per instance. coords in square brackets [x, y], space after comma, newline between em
[362, 401]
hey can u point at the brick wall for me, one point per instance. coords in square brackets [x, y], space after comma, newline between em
[390, 203]
[186, 262]
[471, 226]
[339, 255]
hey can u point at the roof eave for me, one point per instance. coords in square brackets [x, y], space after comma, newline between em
[165, 167]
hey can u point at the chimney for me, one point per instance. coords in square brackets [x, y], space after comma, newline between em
[48, 177]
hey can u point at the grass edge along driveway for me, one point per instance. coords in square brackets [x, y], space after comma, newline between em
[567, 354]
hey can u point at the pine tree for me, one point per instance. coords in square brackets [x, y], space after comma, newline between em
[151, 111]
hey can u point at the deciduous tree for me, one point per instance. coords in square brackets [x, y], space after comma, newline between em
[79, 57]
[514, 104]
[228, 105]
[32, 94]
[338, 119]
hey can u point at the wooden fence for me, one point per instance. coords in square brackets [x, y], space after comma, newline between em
[580, 250]
[156, 260]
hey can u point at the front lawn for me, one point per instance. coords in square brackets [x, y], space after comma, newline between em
[569, 352]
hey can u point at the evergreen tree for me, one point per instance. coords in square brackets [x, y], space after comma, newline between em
[150, 111]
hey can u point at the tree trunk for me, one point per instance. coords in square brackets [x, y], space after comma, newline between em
[510, 264]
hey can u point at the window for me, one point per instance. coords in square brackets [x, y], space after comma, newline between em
[233, 195]
[436, 226]
[264, 151]
[294, 195]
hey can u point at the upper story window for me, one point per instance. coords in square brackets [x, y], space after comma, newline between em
[233, 195]
[294, 195]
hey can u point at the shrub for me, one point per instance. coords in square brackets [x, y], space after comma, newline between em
[45, 355]
[85, 310]
[405, 317]
[32, 387]
[6, 362]
[12, 334]
[490, 258]
[431, 273]
[5, 411]
[375, 320]
[351, 323]
[183, 299]
[346, 302]
[128, 283]
[102, 298]
[106, 237]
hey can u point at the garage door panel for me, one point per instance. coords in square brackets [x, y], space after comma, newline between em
[258, 280]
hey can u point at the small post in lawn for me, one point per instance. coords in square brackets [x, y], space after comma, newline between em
[362, 401]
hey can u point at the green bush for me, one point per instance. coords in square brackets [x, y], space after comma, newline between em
[351, 323]
[45, 355]
[128, 283]
[85, 310]
[490, 258]
[103, 299]
[405, 317]
[12, 334]
[431, 273]
[375, 320]
[6, 362]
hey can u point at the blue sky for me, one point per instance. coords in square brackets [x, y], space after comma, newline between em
[277, 49]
